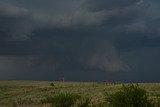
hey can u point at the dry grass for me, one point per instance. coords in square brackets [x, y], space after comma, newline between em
[34, 92]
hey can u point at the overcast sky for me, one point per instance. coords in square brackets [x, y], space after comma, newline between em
[80, 40]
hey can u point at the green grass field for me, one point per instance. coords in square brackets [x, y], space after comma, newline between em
[33, 93]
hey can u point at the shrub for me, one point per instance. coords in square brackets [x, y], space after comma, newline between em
[156, 102]
[63, 99]
[129, 96]
[52, 84]
[84, 102]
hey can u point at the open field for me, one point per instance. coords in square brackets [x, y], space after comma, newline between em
[27, 93]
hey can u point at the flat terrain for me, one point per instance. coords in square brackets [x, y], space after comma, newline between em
[33, 93]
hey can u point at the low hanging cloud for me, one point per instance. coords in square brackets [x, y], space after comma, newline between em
[105, 58]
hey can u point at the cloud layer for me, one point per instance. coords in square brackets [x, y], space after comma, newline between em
[85, 37]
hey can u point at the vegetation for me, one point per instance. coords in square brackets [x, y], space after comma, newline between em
[63, 99]
[52, 84]
[129, 96]
[68, 99]
[78, 94]
[84, 102]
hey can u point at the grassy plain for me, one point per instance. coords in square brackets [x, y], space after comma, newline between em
[33, 93]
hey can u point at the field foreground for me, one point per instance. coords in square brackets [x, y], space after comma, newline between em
[34, 93]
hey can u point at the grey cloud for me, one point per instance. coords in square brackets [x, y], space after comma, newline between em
[84, 53]
[10, 66]
[61, 53]
[105, 58]
[11, 10]
[15, 22]
[73, 14]
[81, 37]
[99, 5]
[79, 18]
[79, 14]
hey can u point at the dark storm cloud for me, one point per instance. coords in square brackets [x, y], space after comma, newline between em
[64, 37]
[100, 5]
[11, 10]
[65, 14]
[14, 22]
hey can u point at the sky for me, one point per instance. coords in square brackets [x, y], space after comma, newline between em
[80, 40]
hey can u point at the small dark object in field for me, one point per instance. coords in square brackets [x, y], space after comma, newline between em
[52, 84]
